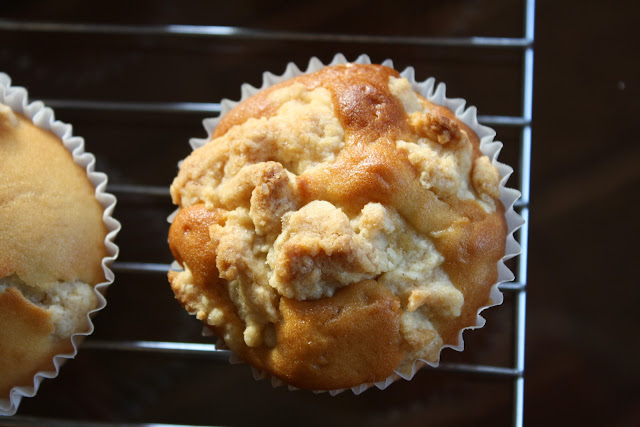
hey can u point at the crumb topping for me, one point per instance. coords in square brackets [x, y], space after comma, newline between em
[316, 194]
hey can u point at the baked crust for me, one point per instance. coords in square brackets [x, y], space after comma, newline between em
[51, 239]
[324, 191]
[51, 225]
[27, 345]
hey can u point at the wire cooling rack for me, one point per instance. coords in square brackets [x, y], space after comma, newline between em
[147, 363]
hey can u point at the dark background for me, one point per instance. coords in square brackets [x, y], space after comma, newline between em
[582, 309]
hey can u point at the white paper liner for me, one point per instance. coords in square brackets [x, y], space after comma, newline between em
[435, 93]
[17, 99]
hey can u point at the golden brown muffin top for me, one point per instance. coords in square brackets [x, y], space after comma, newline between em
[333, 184]
[51, 226]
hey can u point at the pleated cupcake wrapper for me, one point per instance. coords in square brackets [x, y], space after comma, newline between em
[435, 93]
[42, 116]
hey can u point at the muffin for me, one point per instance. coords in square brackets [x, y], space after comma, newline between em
[337, 228]
[53, 241]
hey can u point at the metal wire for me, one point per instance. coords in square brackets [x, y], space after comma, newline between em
[249, 33]
[19, 420]
[525, 186]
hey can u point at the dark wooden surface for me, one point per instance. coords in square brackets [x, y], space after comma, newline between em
[582, 346]
[583, 350]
